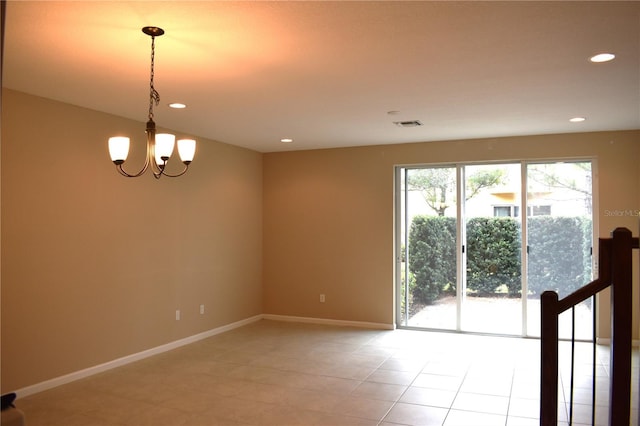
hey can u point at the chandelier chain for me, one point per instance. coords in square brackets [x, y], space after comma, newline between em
[154, 96]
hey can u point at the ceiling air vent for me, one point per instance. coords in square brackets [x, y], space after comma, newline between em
[410, 123]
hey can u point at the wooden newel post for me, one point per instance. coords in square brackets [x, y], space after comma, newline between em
[621, 307]
[549, 359]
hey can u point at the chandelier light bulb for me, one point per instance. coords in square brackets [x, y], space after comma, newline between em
[119, 149]
[186, 150]
[164, 147]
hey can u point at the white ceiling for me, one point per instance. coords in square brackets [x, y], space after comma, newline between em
[327, 73]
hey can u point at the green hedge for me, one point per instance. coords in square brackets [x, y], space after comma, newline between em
[432, 256]
[554, 245]
[493, 255]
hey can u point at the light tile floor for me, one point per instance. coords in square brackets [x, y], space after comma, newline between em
[281, 373]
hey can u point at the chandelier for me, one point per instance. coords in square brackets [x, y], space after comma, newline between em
[159, 145]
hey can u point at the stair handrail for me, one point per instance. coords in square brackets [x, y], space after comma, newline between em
[615, 271]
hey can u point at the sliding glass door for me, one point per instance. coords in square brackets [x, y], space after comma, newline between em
[560, 236]
[428, 264]
[492, 301]
[478, 243]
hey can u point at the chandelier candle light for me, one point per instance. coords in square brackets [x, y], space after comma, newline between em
[160, 145]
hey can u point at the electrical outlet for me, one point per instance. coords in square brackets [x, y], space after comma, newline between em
[178, 315]
[322, 298]
[201, 309]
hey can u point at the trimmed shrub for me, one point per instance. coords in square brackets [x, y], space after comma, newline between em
[555, 245]
[432, 256]
[559, 256]
[493, 255]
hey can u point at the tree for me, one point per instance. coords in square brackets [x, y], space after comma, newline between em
[549, 175]
[484, 178]
[575, 177]
[438, 185]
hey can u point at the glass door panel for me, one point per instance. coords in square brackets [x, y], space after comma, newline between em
[559, 239]
[428, 260]
[493, 288]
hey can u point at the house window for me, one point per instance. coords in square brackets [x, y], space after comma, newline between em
[514, 211]
[502, 211]
[539, 211]
[506, 211]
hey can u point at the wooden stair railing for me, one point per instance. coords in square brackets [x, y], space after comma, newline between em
[615, 271]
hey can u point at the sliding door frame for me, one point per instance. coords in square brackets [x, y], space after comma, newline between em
[401, 216]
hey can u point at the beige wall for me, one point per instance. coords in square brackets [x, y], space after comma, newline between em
[94, 265]
[328, 215]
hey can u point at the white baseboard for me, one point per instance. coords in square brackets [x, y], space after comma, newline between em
[607, 342]
[81, 374]
[77, 375]
[310, 320]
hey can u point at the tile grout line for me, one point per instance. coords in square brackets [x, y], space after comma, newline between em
[394, 403]
[513, 378]
[457, 393]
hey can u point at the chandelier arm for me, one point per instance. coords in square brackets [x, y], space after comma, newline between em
[148, 158]
[151, 149]
[157, 169]
[140, 173]
[186, 167]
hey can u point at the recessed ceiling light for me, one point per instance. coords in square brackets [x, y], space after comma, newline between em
[577, 119]
[602, 57]
[286, 140]
[177, 105]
